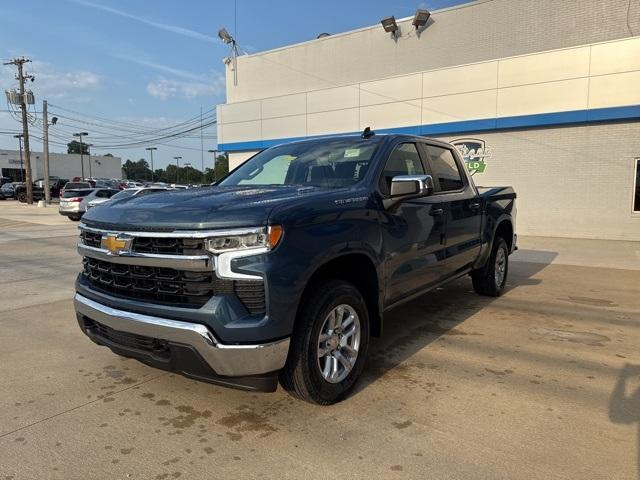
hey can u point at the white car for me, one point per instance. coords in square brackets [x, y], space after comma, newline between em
[128, 192]
[75, 202]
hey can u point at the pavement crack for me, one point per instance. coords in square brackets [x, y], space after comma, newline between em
[81, 406]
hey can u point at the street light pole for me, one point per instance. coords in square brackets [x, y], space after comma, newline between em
[177, 159]
[151, 149]
[80, 135]
[19, 137]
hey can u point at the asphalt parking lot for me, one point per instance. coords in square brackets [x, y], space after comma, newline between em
[543, 382]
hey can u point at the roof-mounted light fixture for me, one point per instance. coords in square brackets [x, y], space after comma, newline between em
[229, 40]
[225, 36]
[390, 26]
[421, 18]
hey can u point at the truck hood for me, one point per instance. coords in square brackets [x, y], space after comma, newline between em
[199, 208]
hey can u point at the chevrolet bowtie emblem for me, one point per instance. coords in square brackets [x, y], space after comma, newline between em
[114, 244]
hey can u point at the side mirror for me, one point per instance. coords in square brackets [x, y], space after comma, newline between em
[406, 187]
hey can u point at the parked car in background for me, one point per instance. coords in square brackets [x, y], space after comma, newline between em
[73, 203]
[74, 185]
[4, 180]
[106, 196]
[55, 186]
[133, 184]
[8, 190]
[129, 192]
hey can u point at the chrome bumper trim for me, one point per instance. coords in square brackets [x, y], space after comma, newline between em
[226, 360]
[179, 262]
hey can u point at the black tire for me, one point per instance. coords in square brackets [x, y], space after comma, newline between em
[22, 197]
[484, 279]
[302, 376]
[74, 219]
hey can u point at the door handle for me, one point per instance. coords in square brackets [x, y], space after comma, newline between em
[474, 206]
[436, 212]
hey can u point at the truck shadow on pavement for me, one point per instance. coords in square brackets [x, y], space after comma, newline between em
[623, 408]
[415, 325]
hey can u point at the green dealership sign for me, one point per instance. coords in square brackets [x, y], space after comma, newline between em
[474, 153]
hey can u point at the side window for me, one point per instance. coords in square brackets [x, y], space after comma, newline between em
[445, 169]
[102, 194]
[404, 160]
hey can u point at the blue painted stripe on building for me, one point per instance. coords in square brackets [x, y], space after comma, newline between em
[467, 126]
[542, 119]
[613, 113]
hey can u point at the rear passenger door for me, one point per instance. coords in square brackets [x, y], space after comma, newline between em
[461, 205]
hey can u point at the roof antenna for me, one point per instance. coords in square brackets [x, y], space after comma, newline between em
[367, 132]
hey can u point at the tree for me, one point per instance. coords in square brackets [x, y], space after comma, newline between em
[221, 169]
[74, 147]
[139, 170]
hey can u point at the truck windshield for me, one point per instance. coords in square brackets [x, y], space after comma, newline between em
[326, 163]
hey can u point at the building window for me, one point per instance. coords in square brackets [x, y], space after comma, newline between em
[636, 190]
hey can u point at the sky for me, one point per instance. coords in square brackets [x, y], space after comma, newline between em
[153, 64]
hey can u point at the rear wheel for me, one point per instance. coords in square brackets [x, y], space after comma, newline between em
[329, 344]
[492, 278]
[22, 197]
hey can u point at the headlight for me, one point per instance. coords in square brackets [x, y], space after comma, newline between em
[266, 237]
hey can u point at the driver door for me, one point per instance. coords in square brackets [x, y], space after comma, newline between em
[413, 230]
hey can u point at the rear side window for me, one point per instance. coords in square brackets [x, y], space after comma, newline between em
[70, 185]
[404, 160]
[445, 169]
[76, 193]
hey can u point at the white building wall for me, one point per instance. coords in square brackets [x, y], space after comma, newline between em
[479, 31]
[569, 80]
[574, 181]
[65, 165]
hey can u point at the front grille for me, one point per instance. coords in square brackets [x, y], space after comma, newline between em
[154, 346]
[169, 246]
[169, 286]
[158, 245]
[91, 239]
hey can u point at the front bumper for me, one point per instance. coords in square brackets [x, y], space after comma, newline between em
[183, 347]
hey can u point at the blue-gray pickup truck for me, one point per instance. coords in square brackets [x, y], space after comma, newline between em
[284, 269]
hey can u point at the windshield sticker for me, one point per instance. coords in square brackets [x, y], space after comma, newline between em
[351, 152]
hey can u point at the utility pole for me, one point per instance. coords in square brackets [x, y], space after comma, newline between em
[80, 135]
[19, 137]
[21, 77]
[45, 148]
[177, 159]
[151, 149]
[201, 142]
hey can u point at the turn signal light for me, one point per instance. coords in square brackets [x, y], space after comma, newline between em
[274, 233]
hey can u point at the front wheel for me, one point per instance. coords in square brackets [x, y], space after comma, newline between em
[492, 278]
[22, 197]
[329, 344]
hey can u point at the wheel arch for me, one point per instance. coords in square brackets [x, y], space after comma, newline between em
[359, 269]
